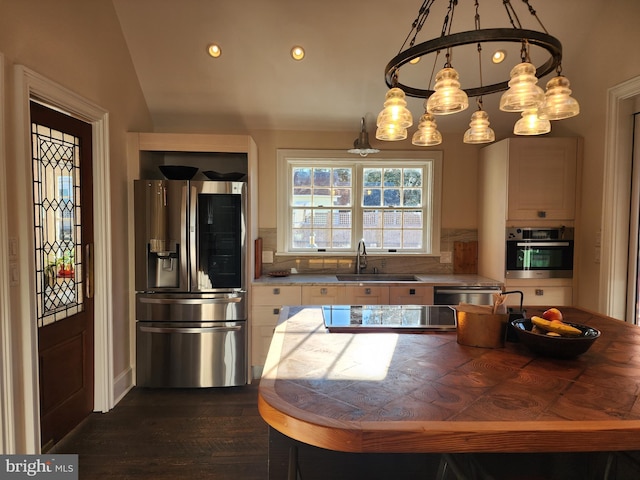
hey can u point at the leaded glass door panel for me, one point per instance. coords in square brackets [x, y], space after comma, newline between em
[63, 238]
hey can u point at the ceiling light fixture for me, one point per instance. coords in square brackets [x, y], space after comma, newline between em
[394, 120]
[427, 134]
[297, 52]
[447, 97]
[361, 144]
[214, 50]
[498, 56]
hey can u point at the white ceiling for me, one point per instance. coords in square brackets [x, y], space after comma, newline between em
[256, 85]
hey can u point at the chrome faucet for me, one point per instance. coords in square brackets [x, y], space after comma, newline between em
[361, 257]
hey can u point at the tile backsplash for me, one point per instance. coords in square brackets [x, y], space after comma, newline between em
[392, 263]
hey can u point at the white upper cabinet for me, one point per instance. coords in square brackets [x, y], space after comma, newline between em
[542, 178]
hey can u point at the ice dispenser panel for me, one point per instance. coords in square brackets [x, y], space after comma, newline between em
[164, 269]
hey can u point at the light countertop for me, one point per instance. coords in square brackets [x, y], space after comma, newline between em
[423, 279]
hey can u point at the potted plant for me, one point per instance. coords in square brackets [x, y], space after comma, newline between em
[66, 264]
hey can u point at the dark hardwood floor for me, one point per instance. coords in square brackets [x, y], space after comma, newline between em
[159, 434]
[219, 434]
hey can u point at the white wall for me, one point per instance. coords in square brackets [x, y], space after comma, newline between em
[79, 45]
[609, 57]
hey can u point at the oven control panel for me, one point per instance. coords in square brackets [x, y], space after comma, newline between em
[538, 234]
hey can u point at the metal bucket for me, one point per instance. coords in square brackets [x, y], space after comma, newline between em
[481, 330]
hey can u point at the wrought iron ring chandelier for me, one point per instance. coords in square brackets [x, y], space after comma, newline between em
[523, 95]
[549, 43]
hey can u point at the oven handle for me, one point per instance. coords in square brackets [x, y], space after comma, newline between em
[190, 301]
[190, 330]
[542, 244]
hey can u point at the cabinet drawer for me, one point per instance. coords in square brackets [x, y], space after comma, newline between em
[410, 295]
[265, 315]
[543, 296]
[261, 337]
[364, 295]
[275, 295]
[320, 295]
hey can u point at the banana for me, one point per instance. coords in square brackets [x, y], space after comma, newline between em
[556, 326]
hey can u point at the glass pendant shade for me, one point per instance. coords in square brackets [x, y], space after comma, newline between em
[479, 131]
[559, 104]
[394, 117]
[447, 97]
[427, 134]
[523, 93]
[391, 133]
[531, 124]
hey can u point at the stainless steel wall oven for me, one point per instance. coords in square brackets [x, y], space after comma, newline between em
[190, 242]
[539, 252]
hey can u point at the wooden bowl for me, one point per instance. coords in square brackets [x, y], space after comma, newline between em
[551, 346]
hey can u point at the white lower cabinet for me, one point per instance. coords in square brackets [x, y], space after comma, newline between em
[553, 292]
[410, 295]
[544, 296]
[320, 295]
[266, 303]
[364, 295]
[268, 300]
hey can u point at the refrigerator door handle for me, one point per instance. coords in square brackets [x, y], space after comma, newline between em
[190, 330]
[190, 301]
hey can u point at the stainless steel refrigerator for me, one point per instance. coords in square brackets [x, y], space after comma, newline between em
[190, 254]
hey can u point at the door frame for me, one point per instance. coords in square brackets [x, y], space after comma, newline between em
[28, 85]
[621, 101]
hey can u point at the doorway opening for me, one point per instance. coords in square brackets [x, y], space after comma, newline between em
[633, 280]
[63, 240]
[33, 86]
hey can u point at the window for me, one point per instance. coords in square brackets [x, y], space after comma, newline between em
[56, 188]
[330, 200]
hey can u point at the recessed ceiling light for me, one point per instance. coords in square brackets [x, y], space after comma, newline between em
[214, 50]
[297, 52]
[498, 56]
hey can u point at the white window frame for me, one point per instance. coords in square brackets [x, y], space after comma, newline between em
[286, 158]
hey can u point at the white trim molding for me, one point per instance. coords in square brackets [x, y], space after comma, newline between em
[8, 260]
[616, 195]
[30, 84]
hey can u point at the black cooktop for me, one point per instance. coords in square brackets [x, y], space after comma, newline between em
[401, 318]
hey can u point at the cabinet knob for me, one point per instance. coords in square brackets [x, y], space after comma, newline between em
[542, 214]
[276, 291]
[367, 291]
[539, 292]
[412, 291]
[276, 311]
[323, 291]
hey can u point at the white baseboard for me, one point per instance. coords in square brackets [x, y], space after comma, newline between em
[122, 384]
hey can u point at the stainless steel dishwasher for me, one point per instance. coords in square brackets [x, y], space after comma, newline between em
[454, 295]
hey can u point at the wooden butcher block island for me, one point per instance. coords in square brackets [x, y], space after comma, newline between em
[419, 393]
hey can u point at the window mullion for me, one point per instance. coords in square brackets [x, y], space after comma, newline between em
[357, 228]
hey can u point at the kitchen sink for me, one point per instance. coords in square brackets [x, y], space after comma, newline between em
[376, 277]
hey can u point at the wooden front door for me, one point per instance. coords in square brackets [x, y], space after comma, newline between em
[63, 234]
